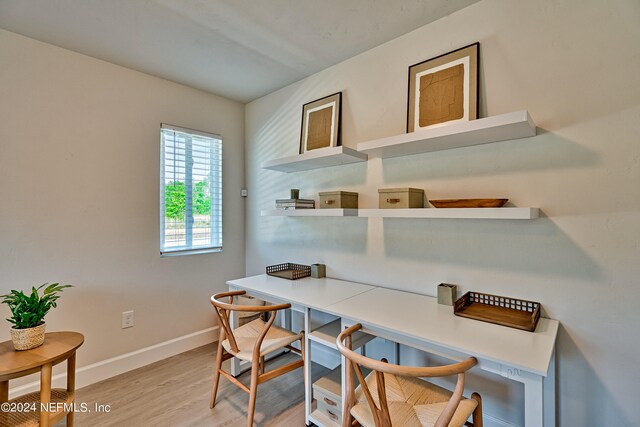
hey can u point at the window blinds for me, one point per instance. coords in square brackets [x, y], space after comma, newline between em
[190, 191]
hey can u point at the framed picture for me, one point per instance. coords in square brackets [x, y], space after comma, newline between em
[321, 123]
[444, 89]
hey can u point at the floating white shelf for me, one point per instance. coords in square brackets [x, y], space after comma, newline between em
[435, 213]
[474, 132]
[309, 212]
[453, 213]
[314, 159]
[327, 334]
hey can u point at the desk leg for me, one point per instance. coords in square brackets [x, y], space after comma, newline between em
[534, 396]
[307, 365]
[286, 321]
[71, 384]
[233, 322]
[549, 390]
[4, 391]
[533, 402]
[45, 394]
[539, 399]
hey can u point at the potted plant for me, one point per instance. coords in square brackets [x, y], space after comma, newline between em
[28, 313]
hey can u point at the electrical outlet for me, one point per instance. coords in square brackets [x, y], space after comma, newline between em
[244, 192]
[127, 319]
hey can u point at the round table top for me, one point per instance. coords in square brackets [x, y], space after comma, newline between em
[58, 346]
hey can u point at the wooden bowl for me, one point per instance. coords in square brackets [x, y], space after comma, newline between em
[469, 203]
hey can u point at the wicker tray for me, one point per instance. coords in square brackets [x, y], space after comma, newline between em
[511, 312]
[289, 271]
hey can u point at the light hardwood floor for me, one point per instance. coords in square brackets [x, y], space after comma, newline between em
[176, 392]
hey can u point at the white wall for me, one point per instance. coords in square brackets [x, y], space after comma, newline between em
[79, 190]
[575, 65]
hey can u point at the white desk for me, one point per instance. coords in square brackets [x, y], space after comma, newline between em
[418, 321]
[302, 293]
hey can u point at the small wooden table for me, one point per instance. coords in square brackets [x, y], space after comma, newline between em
[55, 403]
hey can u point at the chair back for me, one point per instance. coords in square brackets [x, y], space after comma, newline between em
[224, 310]
[381, 414]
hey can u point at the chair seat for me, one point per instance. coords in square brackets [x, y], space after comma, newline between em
[247, 335]
[412, 403]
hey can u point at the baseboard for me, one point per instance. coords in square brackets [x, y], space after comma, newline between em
[490, 421]
[108, 368]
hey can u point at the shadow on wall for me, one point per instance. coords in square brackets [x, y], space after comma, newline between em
[502, 400]
[545, 151]
[490, 244]
[331, 178]
[316, 235]
[279, 136]
[586, 400]
[276, 185]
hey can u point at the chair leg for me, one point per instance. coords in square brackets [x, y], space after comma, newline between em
[253, 390]
[262, 365]
[477, 413]
[216, 374]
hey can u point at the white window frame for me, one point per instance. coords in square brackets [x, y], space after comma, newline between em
[215, 189]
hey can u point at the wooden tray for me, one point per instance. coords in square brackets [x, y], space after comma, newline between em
[289, 271]
[511, 312]
[469, 203]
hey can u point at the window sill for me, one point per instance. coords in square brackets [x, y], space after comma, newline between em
[189, 252]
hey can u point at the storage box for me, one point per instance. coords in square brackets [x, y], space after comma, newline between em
[328, 394]
[338, 200]
[447, 293]
[400, 198]
[318, 271]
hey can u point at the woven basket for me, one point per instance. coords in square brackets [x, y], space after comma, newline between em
[25, 339]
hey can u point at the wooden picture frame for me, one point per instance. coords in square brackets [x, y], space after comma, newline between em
[321, 123]
[444, 89]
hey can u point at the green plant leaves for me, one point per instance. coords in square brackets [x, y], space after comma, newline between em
[29, 311]
[175, 199]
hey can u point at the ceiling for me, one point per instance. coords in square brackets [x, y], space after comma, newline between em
[240, 49]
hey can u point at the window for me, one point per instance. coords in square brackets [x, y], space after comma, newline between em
[190, 191]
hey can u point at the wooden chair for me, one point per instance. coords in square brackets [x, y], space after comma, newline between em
[394, 395]
[251, 342]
